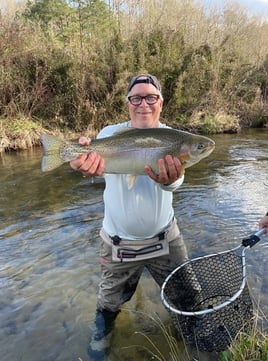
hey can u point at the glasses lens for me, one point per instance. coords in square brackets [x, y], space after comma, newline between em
[151, 98]
[135, 100]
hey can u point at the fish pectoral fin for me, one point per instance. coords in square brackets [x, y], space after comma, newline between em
[182, 169]
[131, 179]
[184, 157]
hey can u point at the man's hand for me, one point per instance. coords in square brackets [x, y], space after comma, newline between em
[91, 164]
[264, 223]
[169, 170]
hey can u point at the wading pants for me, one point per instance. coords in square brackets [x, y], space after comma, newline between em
[119, 279]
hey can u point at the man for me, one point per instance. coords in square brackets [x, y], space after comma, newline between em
[138, 218]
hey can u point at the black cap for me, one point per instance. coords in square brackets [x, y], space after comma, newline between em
[144, 78]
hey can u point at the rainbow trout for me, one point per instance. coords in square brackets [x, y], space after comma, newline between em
[128, 151]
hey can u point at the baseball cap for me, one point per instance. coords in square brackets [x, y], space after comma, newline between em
[144, 78]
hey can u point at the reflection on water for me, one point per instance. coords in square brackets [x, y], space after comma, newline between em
[49, 268]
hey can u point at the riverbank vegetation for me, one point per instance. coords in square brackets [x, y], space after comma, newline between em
[250, 346]
[65, 65]
[253, 347]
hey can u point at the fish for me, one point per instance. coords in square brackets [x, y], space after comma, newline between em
[129, 150]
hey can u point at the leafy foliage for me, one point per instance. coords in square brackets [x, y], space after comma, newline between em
[69, 62]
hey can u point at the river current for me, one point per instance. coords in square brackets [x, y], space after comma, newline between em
[49, 268]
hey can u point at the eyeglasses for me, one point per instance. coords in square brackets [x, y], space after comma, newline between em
[137, 99]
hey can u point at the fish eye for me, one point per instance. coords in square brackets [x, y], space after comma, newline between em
[201, 146]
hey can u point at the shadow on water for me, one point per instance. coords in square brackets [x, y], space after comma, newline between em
[49, 270]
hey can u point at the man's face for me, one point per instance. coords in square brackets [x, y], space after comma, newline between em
[145, 115]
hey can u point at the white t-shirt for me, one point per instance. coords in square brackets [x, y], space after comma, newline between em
[140, 212]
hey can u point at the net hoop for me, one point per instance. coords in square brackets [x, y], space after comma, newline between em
[209, 298]
[213, 308]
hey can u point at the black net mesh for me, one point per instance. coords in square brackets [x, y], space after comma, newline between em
[202, 284]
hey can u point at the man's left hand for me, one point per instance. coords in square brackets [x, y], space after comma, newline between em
[169, 170]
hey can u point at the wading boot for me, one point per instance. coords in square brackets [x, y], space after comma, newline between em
[100, 339]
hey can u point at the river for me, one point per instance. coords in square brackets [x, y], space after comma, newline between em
[49, 269]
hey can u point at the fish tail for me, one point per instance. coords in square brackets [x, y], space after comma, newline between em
[51, 158]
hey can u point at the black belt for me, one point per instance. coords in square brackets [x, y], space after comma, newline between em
[117, 239]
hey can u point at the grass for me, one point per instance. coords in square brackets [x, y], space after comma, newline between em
[19, 133]
[219, 123]
[174, 351]
[250, 346]
[173, 348]
[24, 133]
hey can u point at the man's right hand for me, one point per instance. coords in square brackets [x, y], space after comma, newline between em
[91, 164]
[264, 223]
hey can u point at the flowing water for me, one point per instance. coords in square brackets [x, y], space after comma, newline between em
[49, 268]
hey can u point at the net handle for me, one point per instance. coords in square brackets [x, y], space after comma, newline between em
[254, 238]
